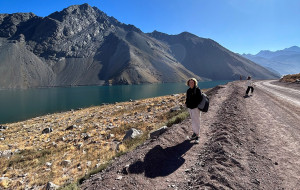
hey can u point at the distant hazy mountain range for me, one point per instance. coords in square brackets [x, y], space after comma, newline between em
[286, 61]
[81, 45]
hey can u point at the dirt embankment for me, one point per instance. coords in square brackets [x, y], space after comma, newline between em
[246, 143]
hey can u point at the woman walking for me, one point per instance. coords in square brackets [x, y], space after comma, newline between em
[249, 85]
[193, 98]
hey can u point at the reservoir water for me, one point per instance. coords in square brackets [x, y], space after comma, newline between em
[22, 104]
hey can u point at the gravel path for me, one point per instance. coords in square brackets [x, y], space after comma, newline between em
[286, 94]
[246, 143]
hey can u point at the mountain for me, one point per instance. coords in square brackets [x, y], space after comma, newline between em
[286, 61]
[81, 45]
[208, 59]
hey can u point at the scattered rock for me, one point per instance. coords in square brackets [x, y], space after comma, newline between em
[132, 134]
[54, 144]
[50, 186]
[2, 127]
[256, 181]
[6, 153]
[125, 170]
[47, 130]
[88, 163]
[2, 139]
[177, 108]
[71, 127]
[158, 132]
[276, 163]
[4, 182]
[66, 163]
[98, 165]
[48, 164]
[85, 136]
[119, 177]
[79, 167]
[79, 146]
[115, 145]
[17, 151]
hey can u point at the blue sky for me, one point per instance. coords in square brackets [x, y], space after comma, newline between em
[242, 26]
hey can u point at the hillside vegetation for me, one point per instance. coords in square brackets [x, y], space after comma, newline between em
[290, 78]
[80, 142]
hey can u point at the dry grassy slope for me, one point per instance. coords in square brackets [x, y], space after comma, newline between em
[290, 78]
[37, 158]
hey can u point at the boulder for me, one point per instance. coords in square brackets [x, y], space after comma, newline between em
[158, 132]
[6, 153]
[47, 130]
[132, 134]
[50, 186]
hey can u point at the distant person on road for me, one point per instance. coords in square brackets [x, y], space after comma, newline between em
[193, 98]
[249, 86]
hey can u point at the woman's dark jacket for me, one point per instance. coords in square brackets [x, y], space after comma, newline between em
[193, 97]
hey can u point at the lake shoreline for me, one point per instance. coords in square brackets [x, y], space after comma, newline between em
[20, 105]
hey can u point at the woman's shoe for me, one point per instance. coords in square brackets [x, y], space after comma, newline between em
[194, 137]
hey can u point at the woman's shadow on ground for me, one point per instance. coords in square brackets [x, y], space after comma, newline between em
[161, 162]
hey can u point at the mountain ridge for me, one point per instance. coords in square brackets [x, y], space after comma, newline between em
[81, 45]
[284, 61]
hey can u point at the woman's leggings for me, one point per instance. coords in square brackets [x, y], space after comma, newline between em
[249, 87]
[196, 120]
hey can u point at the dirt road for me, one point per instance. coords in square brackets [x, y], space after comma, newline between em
[246, 143]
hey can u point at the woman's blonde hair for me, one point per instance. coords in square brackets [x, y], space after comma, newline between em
[195, 80]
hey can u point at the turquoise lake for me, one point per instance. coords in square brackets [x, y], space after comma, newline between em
[18, 105]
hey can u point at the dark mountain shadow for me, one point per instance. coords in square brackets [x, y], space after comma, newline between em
[161, 162]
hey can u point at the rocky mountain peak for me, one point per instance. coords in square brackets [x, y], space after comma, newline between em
[76, 11]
